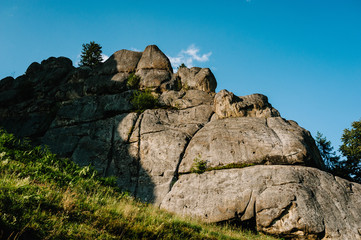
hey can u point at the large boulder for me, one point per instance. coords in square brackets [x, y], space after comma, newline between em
[122, 61]
[251, 141]
[290, 201]
[226, 104]
[153, 68]
[197, 78]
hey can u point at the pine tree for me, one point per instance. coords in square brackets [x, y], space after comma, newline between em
[327, 153]
[91, 55]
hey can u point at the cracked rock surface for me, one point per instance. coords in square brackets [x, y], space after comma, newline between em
[291, 201]
[86, 115]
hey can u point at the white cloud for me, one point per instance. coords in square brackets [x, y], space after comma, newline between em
[135, 49]
[105, 57]
[189, 56]
[77, 61]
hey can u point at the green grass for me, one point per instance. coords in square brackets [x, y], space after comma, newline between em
[46, 197]
[230, 166]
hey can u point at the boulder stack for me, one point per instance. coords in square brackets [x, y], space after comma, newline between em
[214, 156]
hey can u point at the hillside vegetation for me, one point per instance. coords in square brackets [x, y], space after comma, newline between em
[46, 197]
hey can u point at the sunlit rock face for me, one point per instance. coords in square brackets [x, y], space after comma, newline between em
[258, 167]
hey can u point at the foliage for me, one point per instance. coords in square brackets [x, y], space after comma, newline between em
[91, 55]
[143, 100]
[230, 166]
[133, 81]
[199, 165]
[327, 153]
[351, 149]
[46, 197]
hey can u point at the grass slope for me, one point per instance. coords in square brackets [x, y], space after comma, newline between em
[46, 197]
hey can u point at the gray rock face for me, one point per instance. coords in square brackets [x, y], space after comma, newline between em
[226, 104]
[197, 78]
[291, 201]
[86, 114]
[185, 99]
[251, 141]
[164, 136]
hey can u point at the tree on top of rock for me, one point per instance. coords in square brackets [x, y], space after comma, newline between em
[91, 55]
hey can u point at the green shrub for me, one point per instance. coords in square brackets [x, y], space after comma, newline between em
[199, 165]
[133, 81]
[231, 165]
[143, 100]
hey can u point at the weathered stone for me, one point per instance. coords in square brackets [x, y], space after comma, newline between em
[205, 80]
[100, 143]
[251, 141]
[92, 108]
[6, 83]
[226, 104]
[164, 135]
[187, 76]
[7, 96]
[197, 78]
[85, 114]
[153, 78]
[80, 74]
[106, 84]
[34, 68]
[124, 159]
[173, 84]
[55, 63]
[154, 68]
[290, 201]
[185, 99]
[121, 61]
[154, 58]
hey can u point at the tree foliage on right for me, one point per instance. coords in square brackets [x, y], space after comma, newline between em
[351, 149]
[91, 55]
[350, 166]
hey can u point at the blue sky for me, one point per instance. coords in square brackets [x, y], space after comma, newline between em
[304, 55]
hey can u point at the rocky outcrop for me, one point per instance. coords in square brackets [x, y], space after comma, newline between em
[154, 68]
[226, 104]
[197, 78]
[251, 140]
[186, 99]
[290, 201]
[87, 115]
[122, 61]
